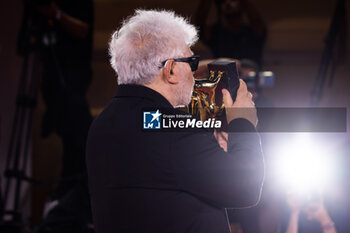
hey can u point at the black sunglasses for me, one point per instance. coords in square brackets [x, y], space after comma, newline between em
[193, 61]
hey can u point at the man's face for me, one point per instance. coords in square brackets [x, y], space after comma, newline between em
[184, 88]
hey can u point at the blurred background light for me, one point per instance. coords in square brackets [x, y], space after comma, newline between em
[304, 165]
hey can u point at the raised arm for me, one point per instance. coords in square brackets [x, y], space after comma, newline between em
[224, 179]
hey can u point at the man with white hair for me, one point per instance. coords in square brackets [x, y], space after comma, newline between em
[156, 181]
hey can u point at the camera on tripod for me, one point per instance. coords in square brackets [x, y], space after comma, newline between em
[34, 25]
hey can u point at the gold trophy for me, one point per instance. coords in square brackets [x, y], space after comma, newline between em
[206, 101]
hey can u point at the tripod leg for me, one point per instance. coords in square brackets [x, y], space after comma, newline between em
[14, 134]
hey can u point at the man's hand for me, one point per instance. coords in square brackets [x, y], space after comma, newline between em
[221, 137]
[243, 107]
[317, 211]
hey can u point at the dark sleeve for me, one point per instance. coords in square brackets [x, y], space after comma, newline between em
[232, 179]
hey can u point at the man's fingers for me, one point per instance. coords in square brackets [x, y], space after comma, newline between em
[242, 88]
[221, 138]
[252, 103]
[228, 102]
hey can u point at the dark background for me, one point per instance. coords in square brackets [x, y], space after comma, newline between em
[293, 50]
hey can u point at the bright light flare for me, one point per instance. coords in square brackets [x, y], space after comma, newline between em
[302, 165]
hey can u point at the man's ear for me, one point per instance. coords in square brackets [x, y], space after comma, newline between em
[168, 72]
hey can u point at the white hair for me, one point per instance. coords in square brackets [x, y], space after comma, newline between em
[145, 40]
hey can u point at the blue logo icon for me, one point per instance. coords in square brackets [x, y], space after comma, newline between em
[151, 120]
